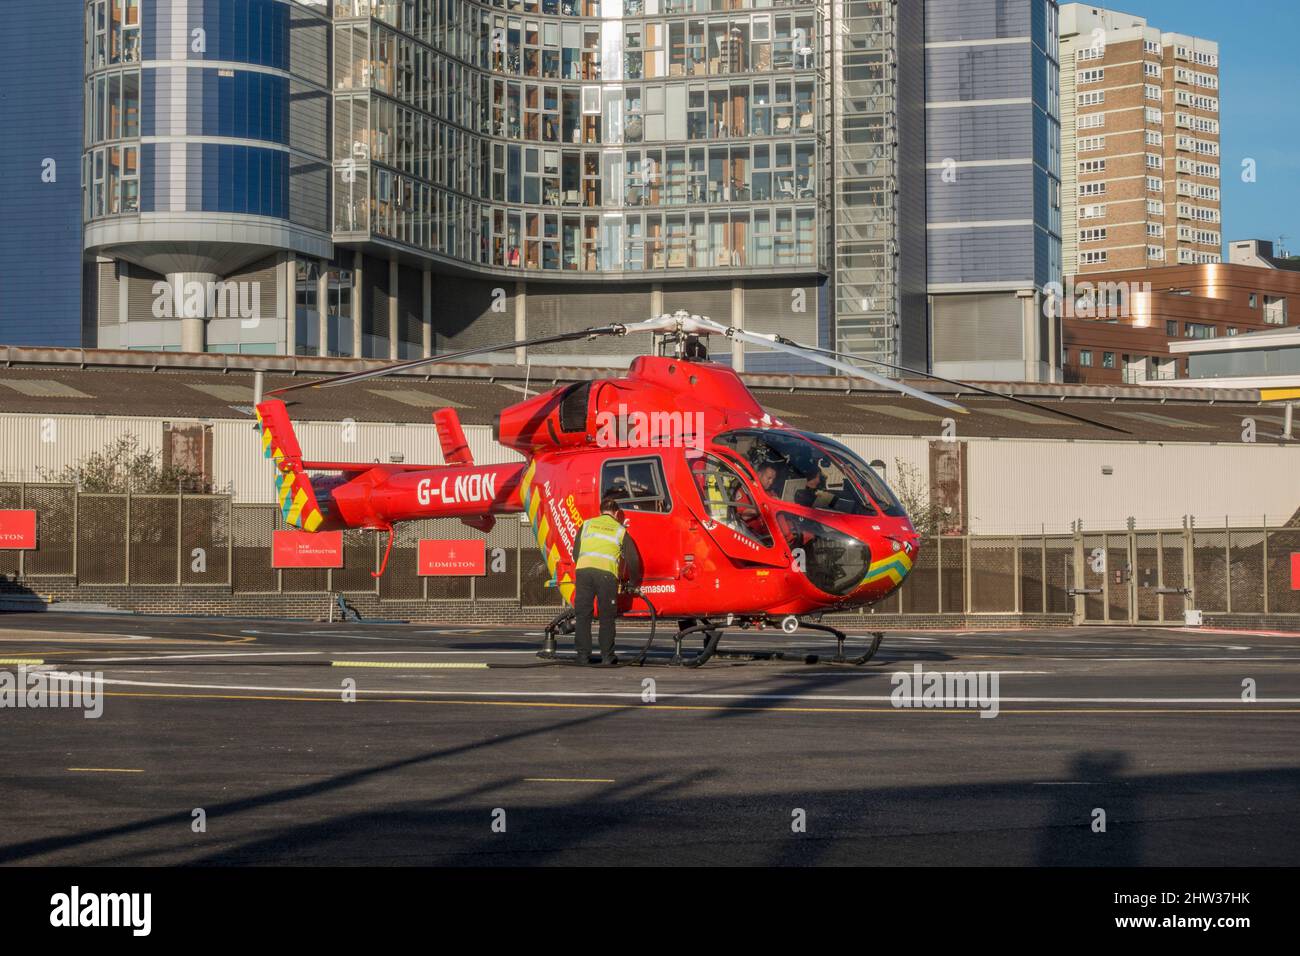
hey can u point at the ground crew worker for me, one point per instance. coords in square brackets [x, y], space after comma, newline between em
[601, 544]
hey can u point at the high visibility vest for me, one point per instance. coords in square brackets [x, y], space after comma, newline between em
[717, 500]
[602, 544]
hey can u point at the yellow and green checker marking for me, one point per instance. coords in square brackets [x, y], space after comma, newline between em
[532, 499]
[293, 490]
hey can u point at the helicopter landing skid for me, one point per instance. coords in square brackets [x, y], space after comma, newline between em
[840, 637]
[804, 657]
[565, 623]
[712, 635]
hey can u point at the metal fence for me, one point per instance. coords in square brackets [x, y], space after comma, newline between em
[1130, 576]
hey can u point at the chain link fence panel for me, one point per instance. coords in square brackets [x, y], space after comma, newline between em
[402, 581]
[504, 541]
[1058, 553]
[56, 530]
[111, 539]
[205, 539]
[993, 575]
[1246, 570]
[1173, 558]
[360, 558]
[155, 543]
[101, 539]
[1210, 570]
[920, 591]
[952, 570]
[251, 530]
[1030, 554]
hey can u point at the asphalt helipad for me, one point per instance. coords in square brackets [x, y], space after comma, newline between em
[243, 741]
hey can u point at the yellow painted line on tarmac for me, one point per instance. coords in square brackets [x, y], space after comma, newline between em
[49, 653]
[11, 635]
[103, 770]
[956, 712]
[568, 780]
[421, 665]
[33, 661]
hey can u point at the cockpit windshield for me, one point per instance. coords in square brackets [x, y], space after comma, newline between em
[792, 468]
[866, 475]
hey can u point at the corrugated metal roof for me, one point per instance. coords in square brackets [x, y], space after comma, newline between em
[42, 388]
[226, 393]
[212, 391]
[414, 397]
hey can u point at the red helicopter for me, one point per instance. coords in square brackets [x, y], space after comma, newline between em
[741, 519]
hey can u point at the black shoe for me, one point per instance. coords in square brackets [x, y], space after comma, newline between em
[612, 662]
[583, 661]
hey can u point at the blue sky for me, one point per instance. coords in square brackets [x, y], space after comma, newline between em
[1259, 104]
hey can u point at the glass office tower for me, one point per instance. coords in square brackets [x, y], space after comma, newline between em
[588, 137]
[205, 172]
[993, 172]
[402, 177]
[40, 109]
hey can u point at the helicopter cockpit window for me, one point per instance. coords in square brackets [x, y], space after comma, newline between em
[728, 500]
[639, 482]
[867, 476]
[792, 468]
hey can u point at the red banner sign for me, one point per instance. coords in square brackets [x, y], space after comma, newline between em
[304, 549]
[18, 530]
[1295, 570]
[463, 558]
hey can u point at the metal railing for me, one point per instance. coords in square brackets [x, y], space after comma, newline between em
[1133, 575]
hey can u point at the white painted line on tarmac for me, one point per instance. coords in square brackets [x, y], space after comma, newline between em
[1064, 783]
[919, 702]
[414, 665]
[41, 638]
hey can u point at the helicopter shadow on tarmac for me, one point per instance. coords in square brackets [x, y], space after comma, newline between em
[681, 816]
[717, 799]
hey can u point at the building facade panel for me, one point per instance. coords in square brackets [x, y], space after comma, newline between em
[1144, 126]
[993, 180]
[950, 21]
[981, 254]
[41, 108]
[1001, 72]
[1120, 326]
[979, 134]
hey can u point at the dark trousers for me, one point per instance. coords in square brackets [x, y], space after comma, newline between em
[602, 588]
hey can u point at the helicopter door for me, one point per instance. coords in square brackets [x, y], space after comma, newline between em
[647, 513]
[728, 512]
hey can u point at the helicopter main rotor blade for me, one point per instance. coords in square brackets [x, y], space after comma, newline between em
[348, 378]
[982, 390]
[781, 344]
